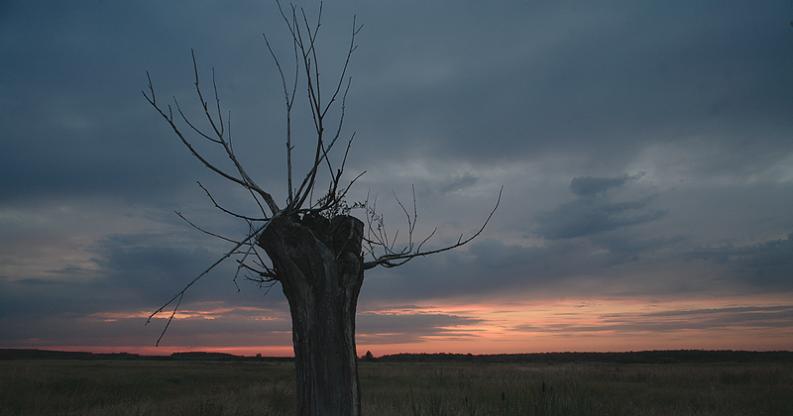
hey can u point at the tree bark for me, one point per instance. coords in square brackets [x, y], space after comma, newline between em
[320, 265]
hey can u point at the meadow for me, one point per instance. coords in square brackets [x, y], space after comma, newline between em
[206, 388]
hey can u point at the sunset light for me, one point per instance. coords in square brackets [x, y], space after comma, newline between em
[448, 207]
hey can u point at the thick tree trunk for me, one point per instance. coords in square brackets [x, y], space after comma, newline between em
[320, 266]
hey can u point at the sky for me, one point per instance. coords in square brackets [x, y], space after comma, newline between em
[645, 151]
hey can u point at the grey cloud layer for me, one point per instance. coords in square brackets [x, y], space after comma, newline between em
[592, 212]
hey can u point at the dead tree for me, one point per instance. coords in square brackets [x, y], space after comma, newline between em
[314, 247]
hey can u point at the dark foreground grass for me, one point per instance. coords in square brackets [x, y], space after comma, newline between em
[129, 388]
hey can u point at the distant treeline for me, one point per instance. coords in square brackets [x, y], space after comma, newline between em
[666, 356]
[33, 354]
[672, 356]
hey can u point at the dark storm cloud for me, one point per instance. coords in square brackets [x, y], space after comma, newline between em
[599, 81]
[593, 212]
[590, 186]
[592, 216]
[768, 264]
[78, 124]
[458, 183]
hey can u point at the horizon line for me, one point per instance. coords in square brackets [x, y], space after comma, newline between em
[461, 354]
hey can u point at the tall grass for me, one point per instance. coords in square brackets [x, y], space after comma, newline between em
[153, 388]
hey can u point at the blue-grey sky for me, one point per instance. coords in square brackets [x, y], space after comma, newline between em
[645, 149]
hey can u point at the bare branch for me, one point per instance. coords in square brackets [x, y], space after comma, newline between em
[217, 102]
[219, 132]
[170, 318]
[263, 273]
[180, 294]
[191, 125]
[190, 223]
[393, 260]
[169, 119]
[306, 188]
[234, 214]
[288, 102]
[201, 99]
[350, 50]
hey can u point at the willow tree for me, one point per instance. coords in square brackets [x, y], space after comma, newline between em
[311, 244]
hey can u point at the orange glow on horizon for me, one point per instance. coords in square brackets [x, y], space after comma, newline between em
[750, 323]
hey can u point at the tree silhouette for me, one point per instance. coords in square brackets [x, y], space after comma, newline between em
[315, 248]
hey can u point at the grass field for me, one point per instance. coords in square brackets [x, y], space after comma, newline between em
[106, 387]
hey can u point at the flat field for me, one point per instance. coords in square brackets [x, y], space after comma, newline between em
[204, 388]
